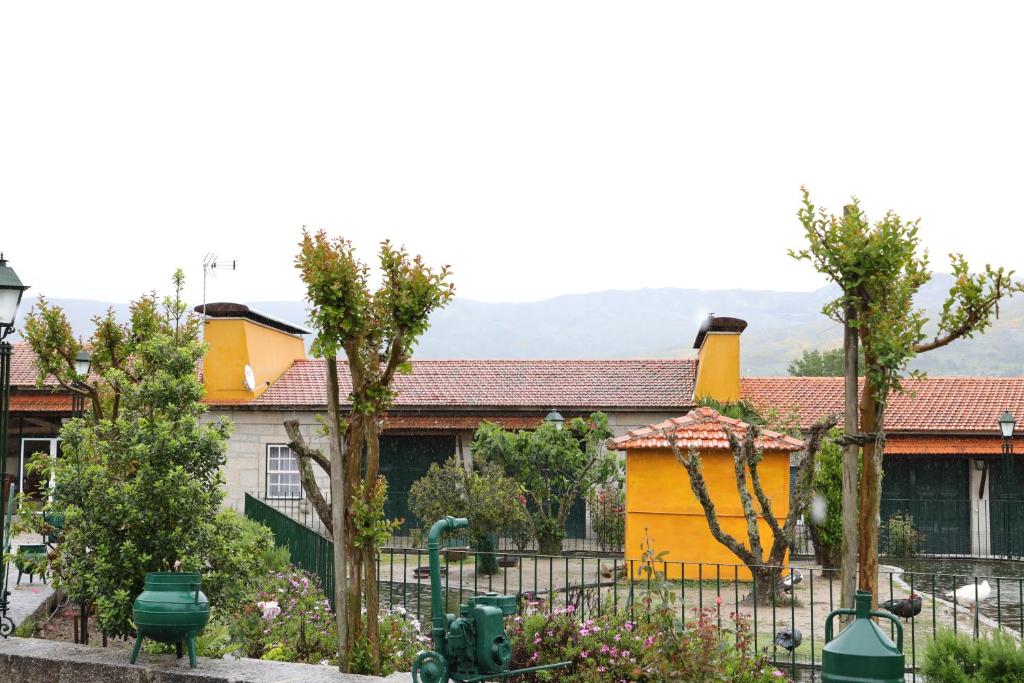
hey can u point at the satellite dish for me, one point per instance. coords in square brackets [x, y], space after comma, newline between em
[250, 378]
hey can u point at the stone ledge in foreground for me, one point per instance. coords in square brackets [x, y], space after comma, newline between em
[34, 660]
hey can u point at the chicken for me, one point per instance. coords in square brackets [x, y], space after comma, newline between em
[789, 638]
[907, 608]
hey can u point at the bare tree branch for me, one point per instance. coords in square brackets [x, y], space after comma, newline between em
[691, 462]
[741, 454]
[298, 444]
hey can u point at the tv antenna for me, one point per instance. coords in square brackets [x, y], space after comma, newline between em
[210, 266]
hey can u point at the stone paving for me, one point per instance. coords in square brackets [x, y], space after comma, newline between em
[26, 598]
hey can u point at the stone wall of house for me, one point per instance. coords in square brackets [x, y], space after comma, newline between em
[246, 468]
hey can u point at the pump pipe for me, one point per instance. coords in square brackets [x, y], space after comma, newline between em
[434, 550]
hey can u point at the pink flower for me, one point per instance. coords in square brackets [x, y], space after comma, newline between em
[628, 626]
[778, 674]
[270, 609]
[584, 654]
[718, 599]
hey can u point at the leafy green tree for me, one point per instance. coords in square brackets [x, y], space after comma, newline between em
[484, 495]
[376, 329]
[138, 482]
[555, 467]
[818, 363]
[827, 531]
[879, 269]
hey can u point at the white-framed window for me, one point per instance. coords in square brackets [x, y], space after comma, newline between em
[282, 472]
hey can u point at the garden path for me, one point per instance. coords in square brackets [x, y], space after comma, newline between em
[26, 597]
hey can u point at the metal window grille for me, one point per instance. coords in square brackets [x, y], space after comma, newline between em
[282, 472]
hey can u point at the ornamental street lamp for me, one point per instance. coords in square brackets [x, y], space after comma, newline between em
[83, 361]
[1006, 427]
[11, 290]
[555, 418]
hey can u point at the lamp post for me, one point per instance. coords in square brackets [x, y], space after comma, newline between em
[1006, 426]
[555, 418]
[11, 290]
[83, 362]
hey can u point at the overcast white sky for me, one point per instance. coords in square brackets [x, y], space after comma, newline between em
[540, 148]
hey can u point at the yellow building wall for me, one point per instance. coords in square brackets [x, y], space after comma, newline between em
[662, 510]
[235, 342]
[718, 367]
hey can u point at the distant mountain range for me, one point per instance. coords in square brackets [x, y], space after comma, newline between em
[659, 323]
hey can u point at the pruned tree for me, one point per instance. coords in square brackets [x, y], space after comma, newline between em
[376, 330]
[762, 559]
[880, 268]
[555, 467]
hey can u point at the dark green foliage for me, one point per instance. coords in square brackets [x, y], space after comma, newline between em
[820, 363]
[953, 658]
[139, 482]
[827, 533]
[489, 499]
[555, 467]
[742, 409]
[241, 555]
[901, 536]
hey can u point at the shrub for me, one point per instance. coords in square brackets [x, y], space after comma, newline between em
[488, 498]
[612, 648]
[953, 658]
[401, 639]
[903, 538]
[239, 559]
[700, 651]
[290, 620]
[604, 649]
[608, 516]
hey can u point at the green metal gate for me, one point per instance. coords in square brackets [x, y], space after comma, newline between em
[403, 460]
[1006, 507]
[935, 492]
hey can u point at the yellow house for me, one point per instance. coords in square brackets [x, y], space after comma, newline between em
[248, 351]
[662, 511]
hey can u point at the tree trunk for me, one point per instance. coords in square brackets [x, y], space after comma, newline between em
[766, 584]
[486, 553]
[370, 553]
[339, 509]
[870, 496]
[848, 552]
[354, 449]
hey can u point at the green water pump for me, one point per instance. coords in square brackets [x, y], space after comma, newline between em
[472, 646]
[862, 653]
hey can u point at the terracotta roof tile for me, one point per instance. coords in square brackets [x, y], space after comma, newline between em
[40, 402]
[702, 428]
[467, 422]
[542, 384]
[934, 404]
[949, 445]
[23, 367]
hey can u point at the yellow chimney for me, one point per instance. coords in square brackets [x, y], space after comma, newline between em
[718, 359]
[247, 351]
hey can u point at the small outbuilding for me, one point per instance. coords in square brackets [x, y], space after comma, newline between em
[662, 510]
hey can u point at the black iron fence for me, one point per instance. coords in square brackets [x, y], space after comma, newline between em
[582, 536]
[593, 586]
[953, 528]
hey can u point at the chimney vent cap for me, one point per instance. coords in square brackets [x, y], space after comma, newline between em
[715, 323]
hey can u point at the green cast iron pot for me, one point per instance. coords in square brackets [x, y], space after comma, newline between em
[171, 608]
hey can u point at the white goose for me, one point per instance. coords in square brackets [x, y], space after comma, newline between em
[968, 594]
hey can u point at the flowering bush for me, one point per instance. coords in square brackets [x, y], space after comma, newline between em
[612, 648]
[290, 620]
[401, 639]
[605, 649]
[700, 651]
